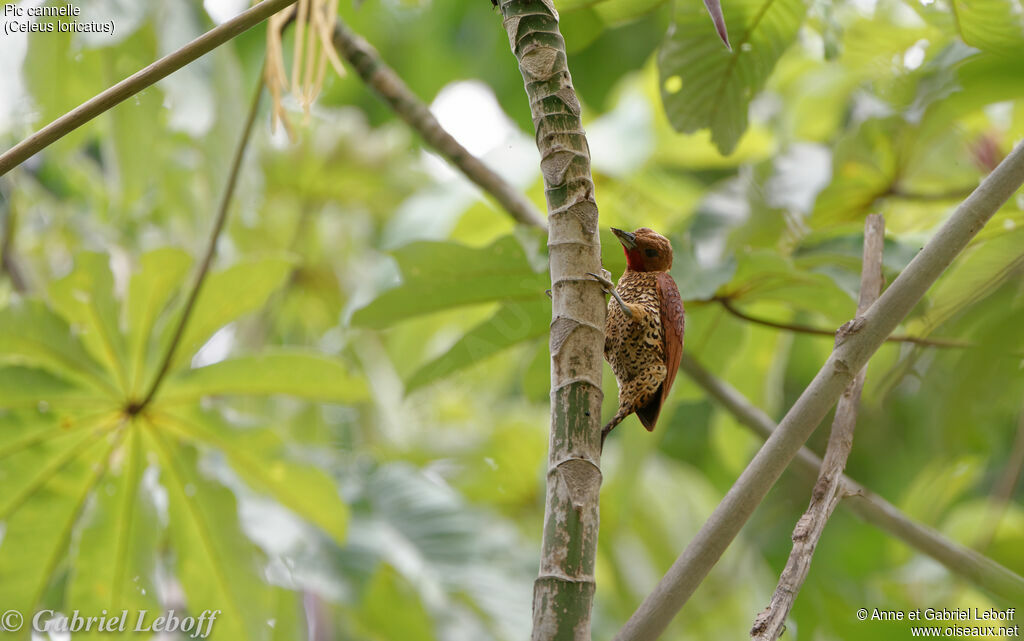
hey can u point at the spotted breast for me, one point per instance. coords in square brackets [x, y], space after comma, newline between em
[635, 347]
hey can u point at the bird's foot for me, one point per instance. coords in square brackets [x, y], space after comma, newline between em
[605, 278]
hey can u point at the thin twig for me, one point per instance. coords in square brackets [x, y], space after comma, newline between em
[137, 82]
[730, 307]
[211, 250]
[874, 509]
[689, 570]
[827, 490]
[390, 87]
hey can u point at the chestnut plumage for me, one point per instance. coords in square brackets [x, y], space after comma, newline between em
[644, 332]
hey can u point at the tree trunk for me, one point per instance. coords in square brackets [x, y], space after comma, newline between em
[564, 590]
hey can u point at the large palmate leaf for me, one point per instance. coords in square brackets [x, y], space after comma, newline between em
[33, 335]
[991, 25]
[92, 481]
[22, 387]
[229, 294]
[159, 277]
[260, 457]
[86, 297]
[220, 570]
[703, 85]
[46, 480]
[295, 373]
[442, 275]
[114, 563]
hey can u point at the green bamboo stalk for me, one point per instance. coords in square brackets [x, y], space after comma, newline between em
[563, 593]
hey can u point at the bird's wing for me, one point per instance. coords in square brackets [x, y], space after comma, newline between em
[673, 324]
[672, 321]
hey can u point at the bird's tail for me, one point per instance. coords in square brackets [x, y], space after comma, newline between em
[610, 425]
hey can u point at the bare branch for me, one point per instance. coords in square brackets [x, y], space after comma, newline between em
[137, 82]
[675, 588]
[827, 491]
[980, 569]
[390, 87]
[211, 250]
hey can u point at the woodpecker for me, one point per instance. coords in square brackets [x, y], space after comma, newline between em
[644, 333]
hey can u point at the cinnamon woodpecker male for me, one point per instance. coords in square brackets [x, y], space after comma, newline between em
[644, 333]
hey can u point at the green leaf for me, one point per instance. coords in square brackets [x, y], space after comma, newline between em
[216, 563]
[312, 304]
[289, 621]
[43, 494]
[621, 8]
[160, 276]
[301, 374]
[60, 77]
[939, 485]
[971, 83]
[765, 276]
[985, 267]
[512, 324]
[27, 387]
[864, 166]
[260, 458]
[996, 26]
[696, 281]
[442, 275]
[227, 295]
[537, 374]
[616, 12]
[135, 155]
[703, 85]
[432, 523]
[391, 609]
[114, 567]
[31, 334]
[967, 518]
[85, 297]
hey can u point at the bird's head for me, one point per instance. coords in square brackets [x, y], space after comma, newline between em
[646, 250]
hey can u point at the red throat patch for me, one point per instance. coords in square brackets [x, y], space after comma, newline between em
[634, 258]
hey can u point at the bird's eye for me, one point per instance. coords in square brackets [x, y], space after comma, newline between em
[651, 253]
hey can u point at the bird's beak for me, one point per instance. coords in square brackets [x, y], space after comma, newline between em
[627, 238]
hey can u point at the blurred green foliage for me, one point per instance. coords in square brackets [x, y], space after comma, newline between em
[353, 433]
